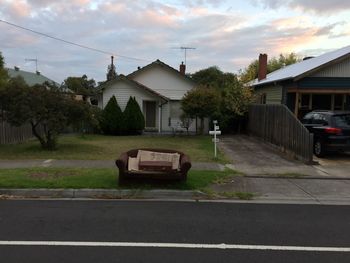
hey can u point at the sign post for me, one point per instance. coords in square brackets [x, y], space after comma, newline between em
[215, 132]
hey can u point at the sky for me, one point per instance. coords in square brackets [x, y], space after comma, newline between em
[227, 34]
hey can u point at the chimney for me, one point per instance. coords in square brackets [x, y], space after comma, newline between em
[182, 68]
[16, 68]
[262, 67]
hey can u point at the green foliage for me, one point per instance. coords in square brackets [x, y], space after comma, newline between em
[80, 85]
[3, 72]
[236, 98]
[112, 118]
[251, 72]
[201, 102]
[233, 97]
[213, 77]
[47, 110]
[133, 116]
[111, 73]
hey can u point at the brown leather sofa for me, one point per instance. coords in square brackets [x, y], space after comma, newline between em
[179, 174]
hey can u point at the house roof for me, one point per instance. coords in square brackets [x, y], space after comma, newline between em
[305, 67]
[30, 78]
[164, 65]
[167, 89]
[122, 77]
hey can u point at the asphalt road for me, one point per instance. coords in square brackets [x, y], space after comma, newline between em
[173, 225]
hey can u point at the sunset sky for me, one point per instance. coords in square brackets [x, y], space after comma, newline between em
[229, 34]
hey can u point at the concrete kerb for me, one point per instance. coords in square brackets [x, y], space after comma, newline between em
[102, 193]
[154, 195]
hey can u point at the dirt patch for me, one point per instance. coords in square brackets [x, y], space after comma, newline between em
[40, 175]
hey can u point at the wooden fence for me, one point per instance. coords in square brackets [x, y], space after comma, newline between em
[276, 124]
[10, 134]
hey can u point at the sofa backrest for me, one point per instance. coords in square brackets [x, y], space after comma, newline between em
[133, 152]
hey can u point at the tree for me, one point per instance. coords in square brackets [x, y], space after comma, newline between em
[234, 97]
[44, 107]
[133, 116]
[201, 102]
[3, 72]
[213, 77]
[251, 72]
[111, 73]
[112, 118]
[81, 85]
[234, 104]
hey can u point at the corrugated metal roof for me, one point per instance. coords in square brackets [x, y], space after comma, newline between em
[29, 77]
[303, 67]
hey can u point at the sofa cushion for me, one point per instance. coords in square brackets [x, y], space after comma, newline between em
[155, 166]
[174, 158]
[133, 164]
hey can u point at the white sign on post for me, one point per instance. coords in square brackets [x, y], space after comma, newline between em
[215, 132]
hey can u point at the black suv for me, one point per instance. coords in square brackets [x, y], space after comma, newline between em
[331, 130]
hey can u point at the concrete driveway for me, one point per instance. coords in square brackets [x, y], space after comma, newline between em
[335, 164]
[253, 157]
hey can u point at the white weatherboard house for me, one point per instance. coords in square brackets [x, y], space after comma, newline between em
[158, 89]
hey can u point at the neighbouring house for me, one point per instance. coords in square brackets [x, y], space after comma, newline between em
[30, 78]
[158, 89]
[316, 83]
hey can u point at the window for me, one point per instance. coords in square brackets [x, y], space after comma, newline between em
[307, 118]
[319, 119]
[342, 120]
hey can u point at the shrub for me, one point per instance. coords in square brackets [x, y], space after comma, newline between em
[112, 121]
[134, 119]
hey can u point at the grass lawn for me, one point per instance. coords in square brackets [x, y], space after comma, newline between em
[96, 178]
[100, 147]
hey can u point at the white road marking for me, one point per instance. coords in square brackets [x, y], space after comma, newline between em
[173, 245]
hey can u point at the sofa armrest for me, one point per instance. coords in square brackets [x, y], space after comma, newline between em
[122, 162]
[185, 164]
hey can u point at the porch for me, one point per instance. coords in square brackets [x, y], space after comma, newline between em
[300, 102]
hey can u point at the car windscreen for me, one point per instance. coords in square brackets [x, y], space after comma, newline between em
[342, 120]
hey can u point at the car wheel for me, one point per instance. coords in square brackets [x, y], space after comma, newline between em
[319, 149]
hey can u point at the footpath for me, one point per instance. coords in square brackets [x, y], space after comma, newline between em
[266, 174]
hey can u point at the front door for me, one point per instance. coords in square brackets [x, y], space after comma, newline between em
[150, 113]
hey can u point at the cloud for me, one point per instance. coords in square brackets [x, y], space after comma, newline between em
[318, 6]
[223, 36]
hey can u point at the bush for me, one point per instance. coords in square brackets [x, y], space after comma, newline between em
[112, 121]
[134, 119]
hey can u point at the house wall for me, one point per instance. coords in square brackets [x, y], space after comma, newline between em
[273, 94]
[164, 81]
[123, 90]
[341, 70]
[173, 118]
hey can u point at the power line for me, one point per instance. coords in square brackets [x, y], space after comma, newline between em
[72, 43]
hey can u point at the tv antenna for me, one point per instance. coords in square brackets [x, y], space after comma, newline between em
[33, 60]
[185, 49]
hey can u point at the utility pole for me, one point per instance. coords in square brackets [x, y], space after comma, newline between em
[185, 49]
[33, 60]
